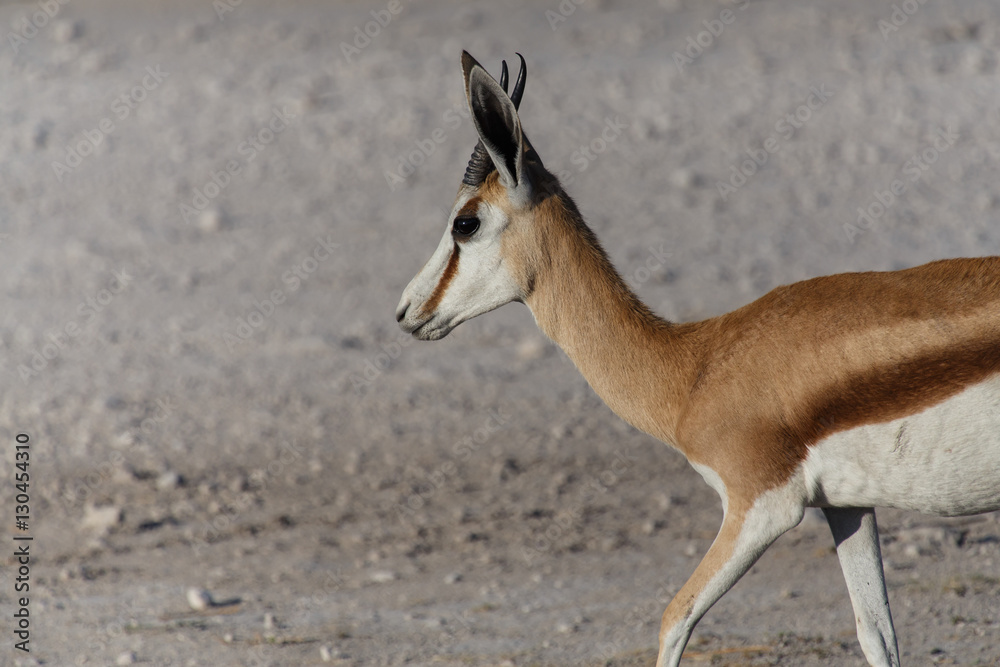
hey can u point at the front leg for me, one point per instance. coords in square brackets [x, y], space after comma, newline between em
[856, 535]
[743, 537]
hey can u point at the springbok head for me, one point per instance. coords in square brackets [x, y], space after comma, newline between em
[476, 267]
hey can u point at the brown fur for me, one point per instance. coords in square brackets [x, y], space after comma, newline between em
[469, 208]
[749, 392]
[833, 353]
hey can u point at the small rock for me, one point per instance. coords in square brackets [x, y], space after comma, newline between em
[665, 501]
[382, 576]
[126, 658]
[452, 578]
[325, 654]
[167, 481]
[269, 621]
[101, 519]
[685, 178]
[564, 628]
[531, 349]
[228, 638]
[199, 599]
[211, 220]
[66, 31]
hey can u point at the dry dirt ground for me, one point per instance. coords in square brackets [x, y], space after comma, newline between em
[209, 211]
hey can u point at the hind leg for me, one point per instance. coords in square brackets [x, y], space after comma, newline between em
[856, 535]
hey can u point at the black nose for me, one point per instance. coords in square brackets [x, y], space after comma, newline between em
[401, 311]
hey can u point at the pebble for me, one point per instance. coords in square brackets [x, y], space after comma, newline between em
[168, 480]
[126, 658]
[565, 628]
[269, 621]
[101, 519]
[211, 220]
[452, 578]
[382, 576]
[685, 178]
[66, 31]
[199, 599]
[325, 654]
[531, 349]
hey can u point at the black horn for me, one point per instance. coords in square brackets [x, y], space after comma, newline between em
[480, 164]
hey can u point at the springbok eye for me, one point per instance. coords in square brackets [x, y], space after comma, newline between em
[465, 226]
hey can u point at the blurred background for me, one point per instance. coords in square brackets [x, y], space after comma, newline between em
[211, 208]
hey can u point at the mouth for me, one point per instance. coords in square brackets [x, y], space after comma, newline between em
[424, 331]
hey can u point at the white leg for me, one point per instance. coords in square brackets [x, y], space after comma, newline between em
[856, 535]
[740, 542]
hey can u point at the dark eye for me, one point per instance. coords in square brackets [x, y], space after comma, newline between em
[465, 226]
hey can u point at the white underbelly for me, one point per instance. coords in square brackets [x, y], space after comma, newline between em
[945, 460]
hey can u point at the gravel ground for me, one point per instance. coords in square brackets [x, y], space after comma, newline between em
[209, 213]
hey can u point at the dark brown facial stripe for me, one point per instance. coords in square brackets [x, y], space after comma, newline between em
[449, 272]
[471, 208]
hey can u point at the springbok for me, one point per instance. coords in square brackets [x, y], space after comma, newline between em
[843, 392]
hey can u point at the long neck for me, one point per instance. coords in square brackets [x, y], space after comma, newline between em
[639, 364]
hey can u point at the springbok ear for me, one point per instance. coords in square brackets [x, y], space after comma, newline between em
[495, 118]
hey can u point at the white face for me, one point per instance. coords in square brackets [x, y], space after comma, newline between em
[465, 276]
